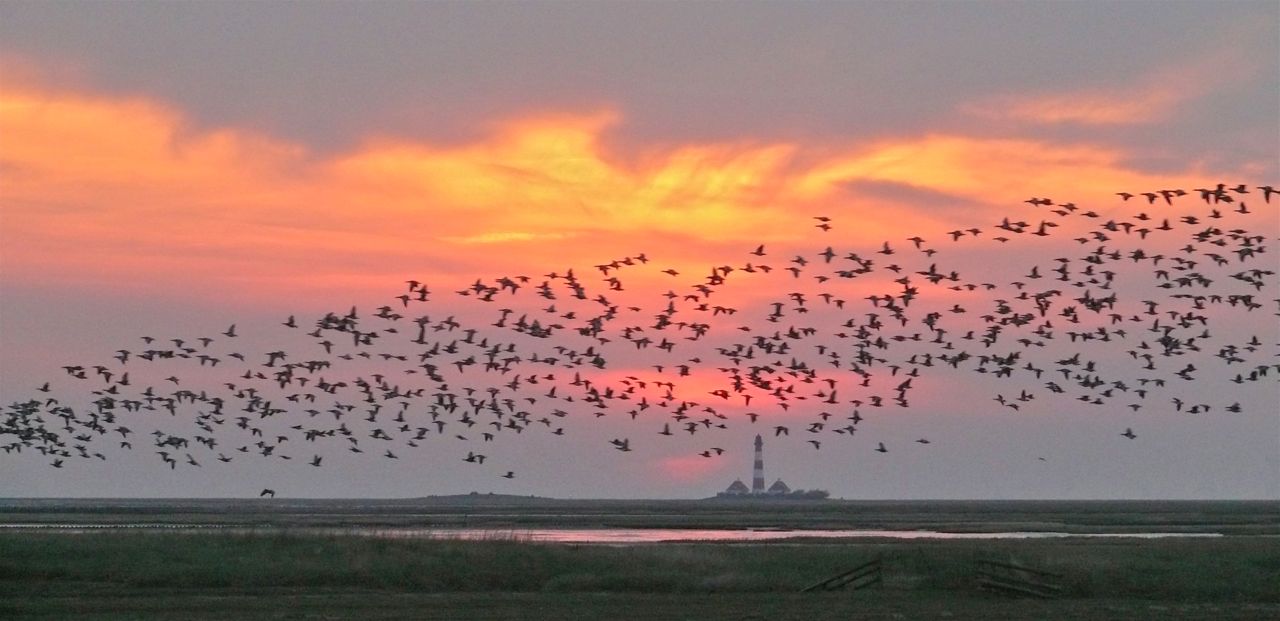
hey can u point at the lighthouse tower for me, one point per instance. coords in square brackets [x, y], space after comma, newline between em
[757, 481]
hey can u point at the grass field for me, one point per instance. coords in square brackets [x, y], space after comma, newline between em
[113, 575]
[331, 604]
[498, 511]
[288, 571]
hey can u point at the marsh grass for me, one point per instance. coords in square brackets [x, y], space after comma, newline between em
[497, 512]
[1227, 569]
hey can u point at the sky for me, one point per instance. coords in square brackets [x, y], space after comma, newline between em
[170, 169]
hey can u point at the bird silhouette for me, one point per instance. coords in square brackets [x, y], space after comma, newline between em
[1134, 315]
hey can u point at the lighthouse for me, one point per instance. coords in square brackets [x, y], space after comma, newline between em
[757, 480]
[757, 489]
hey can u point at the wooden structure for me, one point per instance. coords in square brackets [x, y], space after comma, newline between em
[1018, 580]
[859, 577]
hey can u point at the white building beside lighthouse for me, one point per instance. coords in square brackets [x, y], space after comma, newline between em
[738, 488]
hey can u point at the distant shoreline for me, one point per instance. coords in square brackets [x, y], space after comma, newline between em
[5, 500]
[1241, 517]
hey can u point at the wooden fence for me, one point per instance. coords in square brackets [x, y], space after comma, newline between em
[1013, 579]
[859, 577]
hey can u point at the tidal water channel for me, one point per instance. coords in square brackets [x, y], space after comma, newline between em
[586, 535]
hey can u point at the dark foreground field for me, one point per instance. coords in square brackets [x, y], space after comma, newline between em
[370, 606]
[113, 575]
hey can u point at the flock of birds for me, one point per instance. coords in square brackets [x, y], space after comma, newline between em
[1144, 307]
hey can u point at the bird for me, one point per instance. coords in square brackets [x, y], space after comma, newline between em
[514, 356]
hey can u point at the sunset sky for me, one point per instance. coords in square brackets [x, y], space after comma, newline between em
[174, 168]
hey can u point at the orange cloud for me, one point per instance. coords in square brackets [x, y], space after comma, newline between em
[542, 177]
[987, 171]
[1152, 98]
[1141, 104]
[114, 192]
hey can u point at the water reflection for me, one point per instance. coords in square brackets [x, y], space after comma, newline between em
[655, 535]
[591, 535]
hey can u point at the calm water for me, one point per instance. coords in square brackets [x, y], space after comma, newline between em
[590, 535]
[651, 535]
